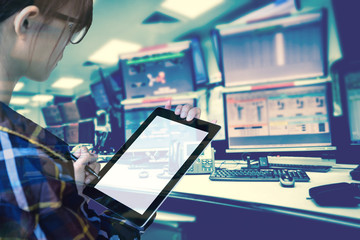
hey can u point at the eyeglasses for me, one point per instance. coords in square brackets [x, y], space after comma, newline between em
[76, 35]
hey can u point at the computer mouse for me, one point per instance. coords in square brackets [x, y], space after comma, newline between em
[286, 180]
[143, 174]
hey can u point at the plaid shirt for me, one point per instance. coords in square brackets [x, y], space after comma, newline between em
[38, 195]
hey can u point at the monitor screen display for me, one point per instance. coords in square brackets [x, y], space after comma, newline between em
[280, 49]
[279, 118]
[69, 112]
[86, 106]
[98, 92]
[352, 84]
[162, 70]
[52, 115]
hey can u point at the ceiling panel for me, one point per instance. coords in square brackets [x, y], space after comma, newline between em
[122, 19]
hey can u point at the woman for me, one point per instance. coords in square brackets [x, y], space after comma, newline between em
[40, 188]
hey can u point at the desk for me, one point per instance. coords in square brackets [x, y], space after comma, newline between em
[268, 198]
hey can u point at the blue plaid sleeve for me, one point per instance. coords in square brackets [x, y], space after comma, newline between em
[39, 200]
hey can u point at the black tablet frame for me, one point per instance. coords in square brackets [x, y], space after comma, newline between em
[123, 210]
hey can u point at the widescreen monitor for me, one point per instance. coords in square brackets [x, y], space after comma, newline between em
[280, 49]
[296, 118]
[158, 70]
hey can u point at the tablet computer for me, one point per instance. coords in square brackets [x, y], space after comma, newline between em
[139, 177]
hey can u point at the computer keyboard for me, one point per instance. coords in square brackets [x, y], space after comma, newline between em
[306, 168]
[246, 174]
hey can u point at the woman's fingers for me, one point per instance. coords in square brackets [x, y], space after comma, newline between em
[185, 110]
[168, 105]
[178, 109]
[89, 177]
[193, 113]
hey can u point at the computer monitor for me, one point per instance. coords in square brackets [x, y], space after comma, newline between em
[71, 133]
[69, 112]
[52, 115]
[290, 119]
[134, 116]
[352, 91]
[279, 49]
[348, 78]
[160, 70]
[100, 96]
[86, 106]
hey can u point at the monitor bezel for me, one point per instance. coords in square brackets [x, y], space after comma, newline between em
[216, 35]
[320, 151]
[188, 50]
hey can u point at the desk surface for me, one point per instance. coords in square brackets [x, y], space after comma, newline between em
[271, 196]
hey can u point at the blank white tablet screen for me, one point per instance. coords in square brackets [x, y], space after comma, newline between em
[147, 166]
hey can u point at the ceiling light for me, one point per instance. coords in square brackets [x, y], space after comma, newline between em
[19, 100]
[42, 98]
[67, 83]
[190, 8]
[18, 86]
[109, 53]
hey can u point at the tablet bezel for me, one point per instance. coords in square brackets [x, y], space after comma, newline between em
[123, 210]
